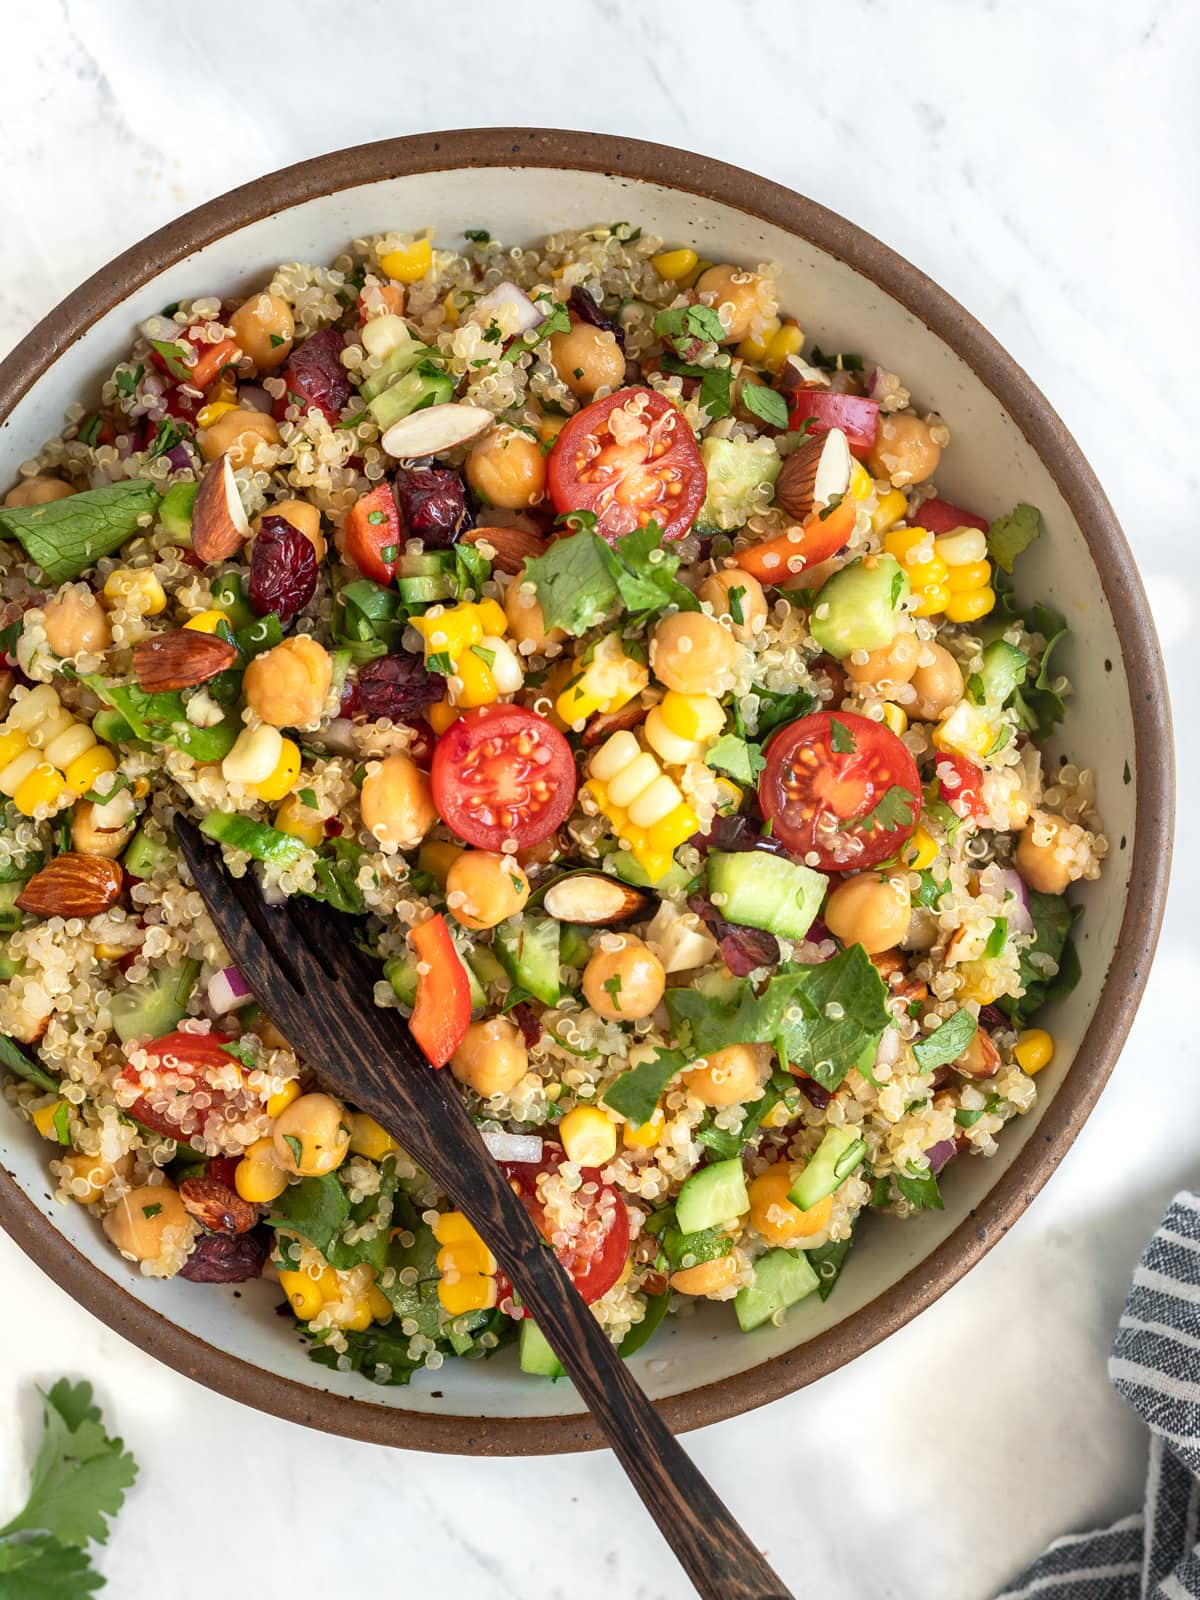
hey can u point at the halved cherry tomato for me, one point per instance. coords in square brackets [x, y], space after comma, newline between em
[939, 517]
[825, 777]
[372, 533]
[177, 1065]
[597, 1245]
[391, 295]
[501, 772]
[629, 458]
[960, 784]
[854, 415]
[822, 534]
[443, 1009]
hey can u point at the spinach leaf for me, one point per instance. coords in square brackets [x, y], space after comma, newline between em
[947, 1042]
[18, 1063]
[315, 1208]
[657, 1306]
[1052, 922]
[379, 1353]
[827, 1262]
[376, 1208]
[574, 582]
[635, 1093]
[162, 719]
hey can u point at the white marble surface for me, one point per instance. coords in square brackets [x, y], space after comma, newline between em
[1038, 159]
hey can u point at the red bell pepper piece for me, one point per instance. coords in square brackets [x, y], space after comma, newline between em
[856, 416]
[443, 1009]
[939, 517]
[372, 534]
[210, 358]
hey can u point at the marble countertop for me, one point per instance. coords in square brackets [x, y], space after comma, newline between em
[1043, 169]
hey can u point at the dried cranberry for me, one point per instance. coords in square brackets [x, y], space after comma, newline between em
[526, 1019]
[227, 1258]
[315, 376]
[433, 504]
[736, 832]
[283, 570]
[993, 1017]
[816, 1094]
[395, 686]
[742, 949]
[581, 303]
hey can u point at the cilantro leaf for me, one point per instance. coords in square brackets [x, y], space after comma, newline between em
[841, 737]
[921, 1191]
[896, 808]
[42, 1569]
[737, 757]
[715, 384]
[765, 404]
[947, 1041]
[80, 1475]
[575, 586]
[685, 328]
[1012, 533]
[644, 585]
[635, 1093]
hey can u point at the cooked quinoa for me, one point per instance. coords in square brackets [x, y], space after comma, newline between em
[568, 619]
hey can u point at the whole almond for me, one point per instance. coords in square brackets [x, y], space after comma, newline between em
[72, 885]
[180, 658]
[219, 523]
[216, 1206]
[513, 546]
[798, 477]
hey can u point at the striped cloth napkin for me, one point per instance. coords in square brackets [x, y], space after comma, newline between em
[1155, 1364]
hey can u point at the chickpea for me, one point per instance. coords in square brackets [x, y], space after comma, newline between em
[89, 839]
[526, 624]
[303, 516]
[587, 359]
[483, 888]
[692, 653]
[507, 469]
[287, 685]
[733, 593]
[264, 327]
[37, 491]
[740, 299]
[939, 685]
[139, 1221]
[778, 1219]
[904, 451]
[238, 434]
[869, 910]
[894, 664]
[626, 983]
[75, 622]
[708, 1277]
[1043, 853]
[397, 803]
[311, 1136]
[492, 1058]
[731, 1076]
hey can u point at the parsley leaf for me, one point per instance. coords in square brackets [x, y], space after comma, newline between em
[685, 328]
[1010, 534]
[896, 808]
[737, 757]
[842, 738]
[765, 404]
[635, 1093]
[42, 1569]
[575, 587]
[557, 321]
[775, 709]
[79, 1477]
[947, 1041]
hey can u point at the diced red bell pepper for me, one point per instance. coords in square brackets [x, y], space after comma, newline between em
[443, 1009]
[939, 516]
[210, 358]
[373, 535]
[856, 416]
[822, 534]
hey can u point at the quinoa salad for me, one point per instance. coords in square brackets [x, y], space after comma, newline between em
[603, 649]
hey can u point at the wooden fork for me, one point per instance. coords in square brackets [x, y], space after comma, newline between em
[304, 967]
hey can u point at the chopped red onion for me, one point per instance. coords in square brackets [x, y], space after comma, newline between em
[1016, 905]
[512, 1146]
[227, 991]
[939, 1154]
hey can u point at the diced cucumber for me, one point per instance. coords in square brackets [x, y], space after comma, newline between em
[835, 1158]
[9, 968]
[714, 1195]
[574, 944]
[1002, 669]
[484, 965]
[781, 1278]
[766, 891]
[154, 1007]
[527, 947]
[230, 597]
[856, 608]
[401, 973]
[144, 855]
[424, 591]
[425, 564]
[255, 838]
[427, 386]
[175, 511]
[395, 365]
[536, 1355]
[111, 726]
[735, 468]
[630, 870]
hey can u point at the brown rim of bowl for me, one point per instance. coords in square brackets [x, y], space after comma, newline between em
[1154, 776]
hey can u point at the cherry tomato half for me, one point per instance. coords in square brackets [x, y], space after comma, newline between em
[597, 1243]
[854, 415]
[501, 772]
[840, 789]
[629, 458]
[177, 1066]
[960, 785]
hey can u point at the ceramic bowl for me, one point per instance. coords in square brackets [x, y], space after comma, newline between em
[852, 293]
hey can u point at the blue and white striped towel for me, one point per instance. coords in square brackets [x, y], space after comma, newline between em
[1155, 1364]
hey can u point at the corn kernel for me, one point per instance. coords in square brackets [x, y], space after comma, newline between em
[207, 415]
[476, 1292]
[1034, 1050]
[465, 1259]
[441, 715]
[921, 851]
[409, 263]
[356, 1317]
[962, 546]
[282, 1098]
[436, 857]
[135, 590]
[862, 485]
[380, 1305]
[693, 716]
[44, 786]
[969, 575]
[756, 349]
[206, 621]
[902, 542]
[452, 1227]
[887, 513]
[368, 1139]
[647, 1134]
[895, 717]
[926, 570]
[287, 770]
[931, 599]
[67, 744]
[13, 775]
[787, 342]
[302, 1292]
[300, 821]
[82, 773]
[12, 743]
[675, 264]
[588, 1136]
[43, 1119]
[970, 607]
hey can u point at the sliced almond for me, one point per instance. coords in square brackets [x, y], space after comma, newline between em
[180, 659]
[217, 1207]
[595, 898]
[220, 526]
[435, 430]
[72, 885]
[980, 1059]
[513, 546]
[597, 729]
[813, 474]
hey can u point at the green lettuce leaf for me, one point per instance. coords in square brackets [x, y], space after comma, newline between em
[66, 537]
